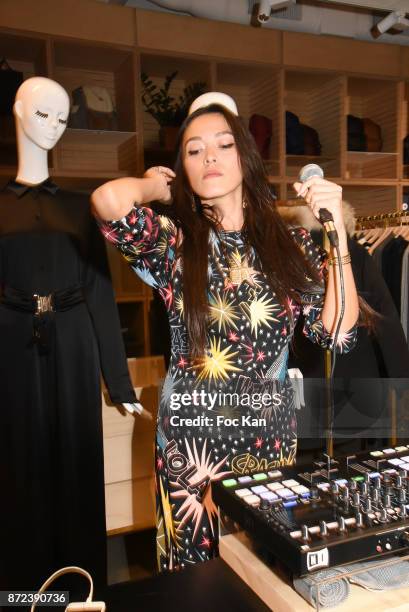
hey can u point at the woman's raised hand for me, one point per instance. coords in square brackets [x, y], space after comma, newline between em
[163, 177]
[320, 193]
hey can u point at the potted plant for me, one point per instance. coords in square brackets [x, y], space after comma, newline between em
[168, 111]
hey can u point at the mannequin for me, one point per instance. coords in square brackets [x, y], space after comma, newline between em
[41, 112]
[59, 327]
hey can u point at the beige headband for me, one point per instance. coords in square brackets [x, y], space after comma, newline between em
[214, 97]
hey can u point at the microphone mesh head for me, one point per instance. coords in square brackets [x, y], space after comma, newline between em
[309, 171]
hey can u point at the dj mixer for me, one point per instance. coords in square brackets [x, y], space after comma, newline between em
[334, 512]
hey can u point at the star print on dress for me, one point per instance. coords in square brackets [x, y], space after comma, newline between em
[246, 354]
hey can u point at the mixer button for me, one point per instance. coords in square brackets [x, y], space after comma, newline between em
[300, 489]
[295, 534]
[273, 486]
[376, 453]
[314, 529]
[400, 449]
[290, 483]
[405, 458]
[270, 496]
[275, 474]
[242, 492]
[252, 500]
[388, 546]
[229, 482]
[341, 482]
[290, 504]
[388, 451]
[243, 479]
[259, 489]
[286, 493]
[374, 475]
[260, 476]
[350, 521]
[395, 461]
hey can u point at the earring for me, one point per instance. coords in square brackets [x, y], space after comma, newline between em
[244, 204]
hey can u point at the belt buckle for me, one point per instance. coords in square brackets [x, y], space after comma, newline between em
[44, 303]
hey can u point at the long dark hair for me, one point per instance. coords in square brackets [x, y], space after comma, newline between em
[282, 261]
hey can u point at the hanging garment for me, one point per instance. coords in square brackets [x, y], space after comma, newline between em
[383, 354]
[404, 298]
[51, 455]
[246, 353]
[392, 267]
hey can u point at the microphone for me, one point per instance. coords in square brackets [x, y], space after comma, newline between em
[326, 218]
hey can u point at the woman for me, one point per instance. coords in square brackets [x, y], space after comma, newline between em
[234, 281]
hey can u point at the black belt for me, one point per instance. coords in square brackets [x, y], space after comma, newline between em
[43, 308]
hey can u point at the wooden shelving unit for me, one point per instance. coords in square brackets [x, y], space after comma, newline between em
[321, 98]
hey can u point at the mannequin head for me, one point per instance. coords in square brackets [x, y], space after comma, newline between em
[41, 111]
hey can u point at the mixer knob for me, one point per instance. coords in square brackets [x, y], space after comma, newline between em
[364, 488]
[356, 499]
[352, 485]
[345, 493]
[403, 474]
[402, 495]
[264, 504]
[377, 482]
[323, 528]
[398, 482]
[389, 490]
[367, 477]
[314, 493]
[341, 523]
[403, 511]
[305, 534]
[387, 501]
[375, 495]
[334, 488]
[368, 505]
[384, 516]
[359, 519]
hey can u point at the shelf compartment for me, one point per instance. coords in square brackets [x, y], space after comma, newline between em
[377, 100]
[371, 200]
[77, 64]
[371, 165]
[96, 153]
[157, 67]
[256, 90]
[316, 99]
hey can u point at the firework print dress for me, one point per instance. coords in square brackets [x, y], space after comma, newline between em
[234, 412]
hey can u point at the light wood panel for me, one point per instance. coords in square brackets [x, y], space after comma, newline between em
[368, 200]
[82, 19]
[180, 34]
[335, 53]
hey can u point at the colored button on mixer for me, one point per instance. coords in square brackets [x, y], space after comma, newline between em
[285, 493]
[290, 504]
[260, 476]
[242, 492]
[275, 474]
[243, 479]
[259, 489]
[273, 486]
[252, 500]
[230, 482]
[269, 496]
[290, 483]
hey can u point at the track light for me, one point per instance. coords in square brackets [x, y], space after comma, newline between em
[266, 6]
[395, 20]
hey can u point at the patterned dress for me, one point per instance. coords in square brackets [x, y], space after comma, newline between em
[215, 417]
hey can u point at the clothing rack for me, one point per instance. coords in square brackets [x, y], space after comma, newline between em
[383, 217]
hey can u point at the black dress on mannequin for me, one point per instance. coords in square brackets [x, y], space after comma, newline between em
[52, 510]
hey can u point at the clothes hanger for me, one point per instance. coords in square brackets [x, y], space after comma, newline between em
[382, 235]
